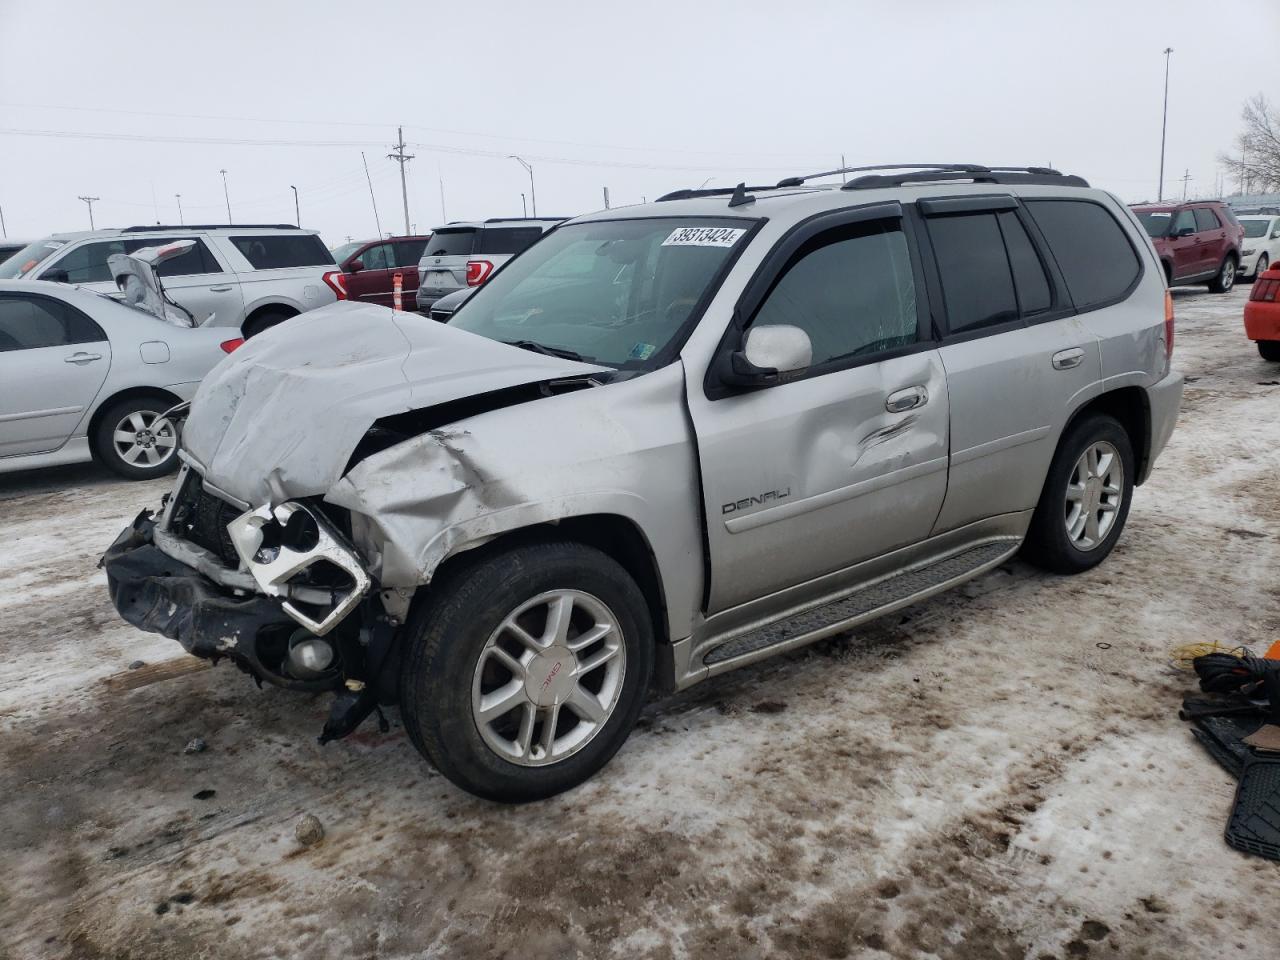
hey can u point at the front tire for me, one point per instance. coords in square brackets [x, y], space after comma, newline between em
[1226, 278]
[525, 671]
[1269, 350]
[1260, 266]
[1085, 500]
[133, 440]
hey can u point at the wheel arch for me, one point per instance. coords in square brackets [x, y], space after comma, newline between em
[1131, 407]
[281, 308]
[129, 393]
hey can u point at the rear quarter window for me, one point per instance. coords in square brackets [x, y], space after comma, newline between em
[1097, 261]
[283, 250]
[1206, 219]
[509, 241]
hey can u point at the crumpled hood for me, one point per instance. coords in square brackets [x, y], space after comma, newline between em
[280, 416]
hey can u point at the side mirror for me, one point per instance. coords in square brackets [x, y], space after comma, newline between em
[1275, 234]
[1185, 232]
[355, 266]
[56, 276]
[769, 355]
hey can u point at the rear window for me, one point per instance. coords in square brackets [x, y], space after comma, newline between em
[1095, 256]
[29, 323]
[451, 243]
[977, 282]
[409, 252]
[269, 252]
[1206, 219]
[196, 260]
[507, 240]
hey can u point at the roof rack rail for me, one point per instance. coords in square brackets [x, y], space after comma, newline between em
[799, 181]
[1045, 176]
[516, 219]
[152, 227]
[691, 194]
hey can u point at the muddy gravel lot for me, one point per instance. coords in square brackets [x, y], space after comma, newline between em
[998, 772]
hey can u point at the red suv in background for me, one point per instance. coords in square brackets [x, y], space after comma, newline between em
[1198, 242]
[369, 268]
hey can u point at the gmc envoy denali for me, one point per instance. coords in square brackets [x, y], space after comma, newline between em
[663, 442]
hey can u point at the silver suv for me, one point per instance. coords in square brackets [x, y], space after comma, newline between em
[249, 277]
[461, 255]
[666, 441]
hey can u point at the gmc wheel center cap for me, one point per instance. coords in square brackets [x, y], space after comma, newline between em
[549, 677]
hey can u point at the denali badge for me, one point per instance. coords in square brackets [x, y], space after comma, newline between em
[755, 501]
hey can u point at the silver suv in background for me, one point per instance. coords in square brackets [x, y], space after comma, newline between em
[461, 255]
[666, 441]
[249, 277]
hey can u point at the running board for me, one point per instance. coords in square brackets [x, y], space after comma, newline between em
[881, 597]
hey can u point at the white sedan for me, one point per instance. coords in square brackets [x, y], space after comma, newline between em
[83, 376]
[1260, 247]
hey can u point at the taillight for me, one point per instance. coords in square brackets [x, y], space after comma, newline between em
[229, 345]
[1168, 324]
[1265, 289]
[336, 282]
[478, 272]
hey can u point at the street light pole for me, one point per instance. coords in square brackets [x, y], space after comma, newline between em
[1164, 123]
[89, 201]
[297, 217]
[524, 207]
[533, 193]
[225, 194]
[180, 220]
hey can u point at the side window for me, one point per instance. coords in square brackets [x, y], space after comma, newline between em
[1029, 278]
[279, 251]
[28, 323]
[409, 252]
[195, 261]
[87, 263]
[1206, 219]
[851, 290]
[507, 240]
[977, 282]
[1186, 220]
[378, 258]
[1092, 250]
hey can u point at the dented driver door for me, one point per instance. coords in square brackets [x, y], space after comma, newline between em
[846, 461]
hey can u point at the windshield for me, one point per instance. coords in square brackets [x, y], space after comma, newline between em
[1156, 221]
[26, 259]
[1255, 228]
[613, 292]
[347, 249]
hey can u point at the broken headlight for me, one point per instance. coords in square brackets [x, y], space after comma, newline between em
[294, 552]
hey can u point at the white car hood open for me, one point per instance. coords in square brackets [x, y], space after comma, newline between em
[280, 417]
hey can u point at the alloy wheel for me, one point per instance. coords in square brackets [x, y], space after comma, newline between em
[1094, 494]
[1227, 277]
[144, 438]
[549, 677]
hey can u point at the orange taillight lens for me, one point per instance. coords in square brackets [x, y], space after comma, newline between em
[1168, 324]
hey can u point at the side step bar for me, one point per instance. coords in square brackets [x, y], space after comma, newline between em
[883, 596]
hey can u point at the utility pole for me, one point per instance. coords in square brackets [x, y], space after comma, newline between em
[444, 217]
[402, 158]
[1164, 123]
[3, 231]
[225, 194]
[524, 207]
[606, 198]
[89, 201]
[297, 217]
[1185, 179]
[533, 193]
[181, 222]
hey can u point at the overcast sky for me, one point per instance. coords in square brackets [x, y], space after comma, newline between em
[148, 100]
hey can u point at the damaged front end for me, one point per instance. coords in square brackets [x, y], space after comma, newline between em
[280, 591]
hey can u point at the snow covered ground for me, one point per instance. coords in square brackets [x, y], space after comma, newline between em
[996, 773]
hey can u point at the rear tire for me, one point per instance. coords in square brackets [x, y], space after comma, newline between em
[1226, 278]
[1086, 496]
[131, 440]
[1269, 350]
[486, 640]
[265, 321]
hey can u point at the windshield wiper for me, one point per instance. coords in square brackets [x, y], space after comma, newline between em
[542, 348]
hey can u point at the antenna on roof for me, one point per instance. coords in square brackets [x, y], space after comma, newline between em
[740, 196]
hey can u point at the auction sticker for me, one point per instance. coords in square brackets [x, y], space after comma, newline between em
[704, 237]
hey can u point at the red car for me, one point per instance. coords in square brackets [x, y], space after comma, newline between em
[1198, 242]
[369, 268]
[1262, 314]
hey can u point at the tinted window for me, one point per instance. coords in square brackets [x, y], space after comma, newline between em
[380, 257]
[196, 260]
[1206, 219]
[283, 250]
[1155, 222]
[1255, 228]
[507, 240]
[30, 322]
[1029, 279]
[1186, 220]
[409, 252]
[851, 290]
[1097, 260]
[451, 243]
[977, 283]
[87, 263]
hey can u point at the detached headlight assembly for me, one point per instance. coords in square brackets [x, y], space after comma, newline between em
[290, 542]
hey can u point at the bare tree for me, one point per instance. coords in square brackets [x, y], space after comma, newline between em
[1257, 161]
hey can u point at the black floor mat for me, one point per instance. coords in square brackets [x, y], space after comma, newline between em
[1254, 826]
[1220, 725]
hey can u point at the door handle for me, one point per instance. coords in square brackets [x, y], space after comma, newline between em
[1067, 359]
[900, 401]
[220, 289]
[82, 358]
